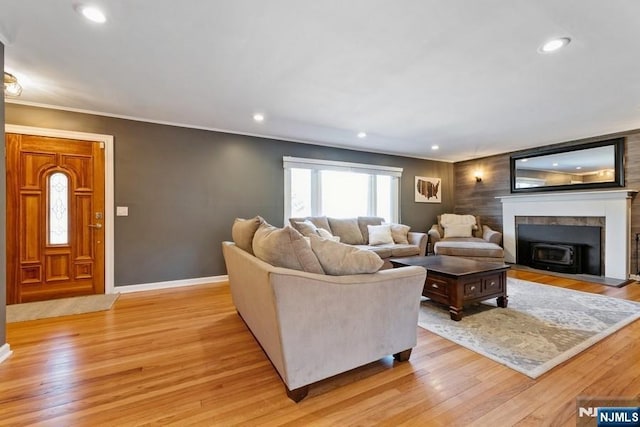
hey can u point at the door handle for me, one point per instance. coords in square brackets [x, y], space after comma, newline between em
[95, 226]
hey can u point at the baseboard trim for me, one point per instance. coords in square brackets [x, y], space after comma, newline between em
[170, 284]
[5, 352]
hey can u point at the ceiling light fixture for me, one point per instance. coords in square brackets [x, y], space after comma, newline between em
[554, 45]
[258, 117]
[92, 13]
[11, 86]
[435, 147]
[362, 134]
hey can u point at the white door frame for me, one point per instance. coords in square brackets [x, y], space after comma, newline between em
[108, 187]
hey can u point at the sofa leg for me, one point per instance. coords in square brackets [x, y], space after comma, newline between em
[297, 394]
[403, 356]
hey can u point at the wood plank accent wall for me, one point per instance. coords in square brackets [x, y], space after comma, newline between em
[479, 197]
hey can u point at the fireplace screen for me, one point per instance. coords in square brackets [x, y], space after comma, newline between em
[556, 257]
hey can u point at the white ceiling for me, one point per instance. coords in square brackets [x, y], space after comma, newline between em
[463, 74]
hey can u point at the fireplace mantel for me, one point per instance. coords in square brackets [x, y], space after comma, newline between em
[613, 205]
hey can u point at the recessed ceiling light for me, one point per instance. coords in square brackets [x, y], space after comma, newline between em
[258, 117]
[524, 160]
[362, 134]
[554, 45]
[578, 167]
[92, 13]
[555, 164]
[435, 147]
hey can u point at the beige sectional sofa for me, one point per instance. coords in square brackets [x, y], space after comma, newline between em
[355, 231]
[465, 236]
[312, 325]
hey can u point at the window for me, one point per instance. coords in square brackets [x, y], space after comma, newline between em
[58, 209]
[339, 189]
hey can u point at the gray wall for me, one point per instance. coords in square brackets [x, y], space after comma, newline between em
[3, 239]
[184, 187]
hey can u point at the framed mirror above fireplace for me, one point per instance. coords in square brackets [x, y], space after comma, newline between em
[590, 165]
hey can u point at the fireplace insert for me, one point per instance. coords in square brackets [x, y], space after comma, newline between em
[559, 257]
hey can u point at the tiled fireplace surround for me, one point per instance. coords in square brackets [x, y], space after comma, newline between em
[609, 209]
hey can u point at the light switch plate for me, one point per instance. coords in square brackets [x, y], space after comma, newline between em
[122, 210]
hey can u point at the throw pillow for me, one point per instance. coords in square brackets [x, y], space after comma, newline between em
[457, 230]
[400, 233]
[364, 221]
[379, 234]
[285, 247]
[347, 229]
[326, 235]
[320, 222]
[338, 259]
[243, 230]
[307, 228]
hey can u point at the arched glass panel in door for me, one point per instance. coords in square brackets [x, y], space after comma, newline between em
[58, 209]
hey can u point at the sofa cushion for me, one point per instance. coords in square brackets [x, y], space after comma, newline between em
[379, 234]
[243, 230]
[383, 251]
[347, 229]
[400, 233]
[338, 259]
[285, 247]
[457, 230]
[468, 247]
[364, 222]
[400, 250]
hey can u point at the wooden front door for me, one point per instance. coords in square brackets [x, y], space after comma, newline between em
[55, 211]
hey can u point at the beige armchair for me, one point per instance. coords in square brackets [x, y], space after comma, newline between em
[465, 236]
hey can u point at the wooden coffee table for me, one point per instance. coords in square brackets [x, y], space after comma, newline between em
[457, 282]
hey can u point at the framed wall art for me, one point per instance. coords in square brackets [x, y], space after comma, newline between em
[428, 190]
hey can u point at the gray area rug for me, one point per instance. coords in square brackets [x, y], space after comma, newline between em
[59, 307]
[542, 327]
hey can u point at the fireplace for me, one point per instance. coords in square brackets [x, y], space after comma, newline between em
[612, 205]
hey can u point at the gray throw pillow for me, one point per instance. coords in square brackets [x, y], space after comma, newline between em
[347, 229]
[243, 230]
[285, 247]
[338, 259]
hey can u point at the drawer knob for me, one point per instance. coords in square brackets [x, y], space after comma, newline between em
[473, 288]
[492, 283]
[433, 285]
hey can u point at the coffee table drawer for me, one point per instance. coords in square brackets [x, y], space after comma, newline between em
[492, 284]
[435, 286]
[472, 289]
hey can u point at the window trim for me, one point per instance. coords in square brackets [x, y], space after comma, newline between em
[316, 165]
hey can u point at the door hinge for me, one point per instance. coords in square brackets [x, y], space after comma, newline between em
[102, 145]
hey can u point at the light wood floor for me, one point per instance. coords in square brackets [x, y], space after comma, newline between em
[184, 357]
